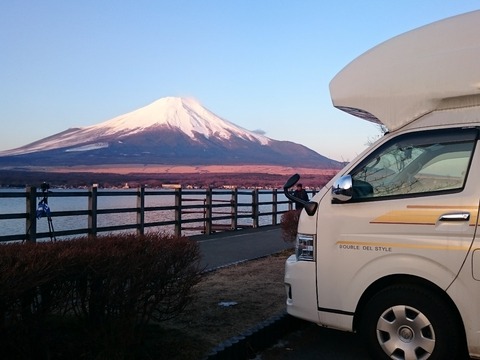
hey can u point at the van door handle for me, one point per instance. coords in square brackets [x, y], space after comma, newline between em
[462, 216]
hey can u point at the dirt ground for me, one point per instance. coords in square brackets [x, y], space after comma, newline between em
[227, 302]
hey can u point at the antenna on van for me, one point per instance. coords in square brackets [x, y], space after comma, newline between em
[309, 206]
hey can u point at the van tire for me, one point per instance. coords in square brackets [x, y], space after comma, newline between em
[412, 320]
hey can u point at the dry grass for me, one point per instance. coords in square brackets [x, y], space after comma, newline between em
[256, 287]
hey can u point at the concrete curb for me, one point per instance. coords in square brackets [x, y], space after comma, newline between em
[256, 339]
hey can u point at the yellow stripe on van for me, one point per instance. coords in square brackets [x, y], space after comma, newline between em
[364, 244]
[423, 215]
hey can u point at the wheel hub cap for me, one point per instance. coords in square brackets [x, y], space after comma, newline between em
[406, 334]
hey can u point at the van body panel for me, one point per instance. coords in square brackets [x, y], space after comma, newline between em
[465, 292]
[301, 289]
[371, 250]
[361, 242]
[463, 117]
[392, 236]
[402, 220]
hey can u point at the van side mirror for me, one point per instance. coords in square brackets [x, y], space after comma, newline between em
[309, 206]
[291, 181]
[342, 189]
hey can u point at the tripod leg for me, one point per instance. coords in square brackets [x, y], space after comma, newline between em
[51, 231]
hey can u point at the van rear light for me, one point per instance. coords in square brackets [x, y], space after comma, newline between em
[305, 247]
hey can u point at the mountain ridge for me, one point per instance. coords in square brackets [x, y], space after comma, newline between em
[168, 131]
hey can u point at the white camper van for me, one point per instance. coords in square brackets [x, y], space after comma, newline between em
[389, 248]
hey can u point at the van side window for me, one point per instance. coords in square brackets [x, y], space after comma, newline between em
[417, 163]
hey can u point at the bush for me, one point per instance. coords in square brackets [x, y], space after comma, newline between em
[108, 289]
[289, 225]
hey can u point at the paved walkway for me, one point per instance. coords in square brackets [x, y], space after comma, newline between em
[229, 247]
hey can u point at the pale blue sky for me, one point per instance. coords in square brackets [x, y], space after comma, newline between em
[261, 64]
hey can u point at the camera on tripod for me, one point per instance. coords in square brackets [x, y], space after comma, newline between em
[43, 210]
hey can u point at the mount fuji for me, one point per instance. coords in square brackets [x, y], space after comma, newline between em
[170, 130]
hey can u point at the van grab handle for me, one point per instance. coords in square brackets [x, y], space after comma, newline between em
[462, 216]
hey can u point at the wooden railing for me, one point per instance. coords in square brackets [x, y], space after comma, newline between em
[194, 211]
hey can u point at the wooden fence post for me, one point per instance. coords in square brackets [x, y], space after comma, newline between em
[141, 210]
[178, 211]
[31, 220]
[208, 211]
[255, 209]
[92, 211]
[274, 206]
[234, 209]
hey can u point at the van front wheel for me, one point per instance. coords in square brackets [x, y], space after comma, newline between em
[408, 322]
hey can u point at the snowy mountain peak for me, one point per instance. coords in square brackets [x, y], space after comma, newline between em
[186, 115]
[168, 131]
[174, 113]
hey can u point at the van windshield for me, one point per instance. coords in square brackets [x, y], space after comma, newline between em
[416, 163]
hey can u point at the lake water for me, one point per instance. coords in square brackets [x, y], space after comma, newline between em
[18, 205]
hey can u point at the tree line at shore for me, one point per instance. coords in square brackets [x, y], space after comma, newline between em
[22, 179]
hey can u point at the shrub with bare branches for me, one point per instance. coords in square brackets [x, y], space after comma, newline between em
[289, 224]
[111, 287]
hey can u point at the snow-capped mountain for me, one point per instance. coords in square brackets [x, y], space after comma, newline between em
[170, 130]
